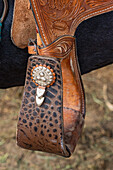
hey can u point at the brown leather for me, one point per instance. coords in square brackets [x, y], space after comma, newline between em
[5, 10]
[56, 125]
[23, 25]
[38, 127]
[59, 17]
[71, 114]
[24, 21]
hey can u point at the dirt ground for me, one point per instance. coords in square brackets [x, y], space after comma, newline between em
[95, 148]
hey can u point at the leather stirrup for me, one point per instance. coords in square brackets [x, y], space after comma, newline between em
[53, 107]
[56, 125]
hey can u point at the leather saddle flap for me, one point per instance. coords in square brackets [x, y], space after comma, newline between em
[23, 26]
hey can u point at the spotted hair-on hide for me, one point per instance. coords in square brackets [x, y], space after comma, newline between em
[41, 128]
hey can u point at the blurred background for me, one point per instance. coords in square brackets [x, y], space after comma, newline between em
[95, 148]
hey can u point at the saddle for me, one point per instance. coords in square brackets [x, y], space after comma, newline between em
[53, 106]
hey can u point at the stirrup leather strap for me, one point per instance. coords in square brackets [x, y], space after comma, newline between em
[56, 125]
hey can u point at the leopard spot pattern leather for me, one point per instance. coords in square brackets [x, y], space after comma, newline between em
[42, 127]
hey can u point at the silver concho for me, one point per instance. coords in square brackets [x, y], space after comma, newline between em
[43, 77]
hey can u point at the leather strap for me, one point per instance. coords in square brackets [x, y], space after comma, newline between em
[4, 11]
[0, 29]
[55, 126]
[3, 15]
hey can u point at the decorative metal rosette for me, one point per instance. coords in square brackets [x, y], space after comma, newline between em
[43, 75]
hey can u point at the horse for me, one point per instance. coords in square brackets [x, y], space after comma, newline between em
[53, 107]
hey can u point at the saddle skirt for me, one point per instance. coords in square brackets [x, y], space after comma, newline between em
[53, 107]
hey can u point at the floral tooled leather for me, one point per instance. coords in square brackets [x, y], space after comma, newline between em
[59, 17]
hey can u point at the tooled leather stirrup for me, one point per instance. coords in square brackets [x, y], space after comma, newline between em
[53, 109]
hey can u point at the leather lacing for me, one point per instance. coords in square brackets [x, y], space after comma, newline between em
[3, 14]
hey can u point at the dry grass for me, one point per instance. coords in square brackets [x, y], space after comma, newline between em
[95, 149]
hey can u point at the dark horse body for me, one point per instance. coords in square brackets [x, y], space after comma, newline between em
[94, 48]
